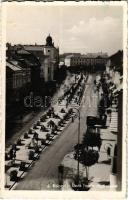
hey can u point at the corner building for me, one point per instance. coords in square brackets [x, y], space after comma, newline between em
[48, 56]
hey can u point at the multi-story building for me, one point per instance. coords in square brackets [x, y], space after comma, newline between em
[18, 81]
[86, 60]
[22, 77]
[114, 70]
[17, 78]
[14, 76]
[29, 61]
[115, 63]
[48, 56]
[29, 68]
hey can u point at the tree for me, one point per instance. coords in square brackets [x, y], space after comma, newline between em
[92, 139]
[86, 157]
[89, 158]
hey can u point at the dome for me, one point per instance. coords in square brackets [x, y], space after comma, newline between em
[49, 41]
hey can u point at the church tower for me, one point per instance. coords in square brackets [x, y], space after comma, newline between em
[51, 54]
[49, 49]
[49, 41]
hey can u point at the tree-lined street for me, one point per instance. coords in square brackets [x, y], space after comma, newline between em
[64, 98]
[45, 170]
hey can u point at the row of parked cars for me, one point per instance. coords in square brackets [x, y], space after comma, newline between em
[11, 155]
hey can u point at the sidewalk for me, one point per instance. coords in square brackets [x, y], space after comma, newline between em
[100, 173]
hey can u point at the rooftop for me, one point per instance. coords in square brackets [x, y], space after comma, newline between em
[33, 47]
[13, 67]
[22, 51]
[86, 56]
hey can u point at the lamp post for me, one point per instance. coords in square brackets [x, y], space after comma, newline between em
[78, 144]
[78, 164]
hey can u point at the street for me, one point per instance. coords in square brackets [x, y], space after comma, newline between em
[64, 119]
[29, 120]
[45, 170]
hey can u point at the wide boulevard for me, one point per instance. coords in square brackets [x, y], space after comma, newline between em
[45, 170]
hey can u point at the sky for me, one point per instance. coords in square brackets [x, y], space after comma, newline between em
[73, 28]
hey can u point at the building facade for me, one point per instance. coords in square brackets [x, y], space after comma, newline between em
[115, 63]
[14, 77]
[114, 70]
[18, 82]
[86, 60]
[48, 56]
[22, 77]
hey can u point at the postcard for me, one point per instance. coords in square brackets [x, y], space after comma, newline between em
[64, 92]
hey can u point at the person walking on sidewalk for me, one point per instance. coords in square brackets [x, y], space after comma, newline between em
[72, 119]
[60, 174]
[99, 144]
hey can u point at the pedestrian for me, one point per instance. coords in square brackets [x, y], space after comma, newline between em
[99, 145]
[33, 142]
[108, 151]
[14, 147]
[14, 156]
[36, 136]
[60, 174]
[11, 153]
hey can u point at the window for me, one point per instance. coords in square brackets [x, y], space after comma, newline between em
[48, 50]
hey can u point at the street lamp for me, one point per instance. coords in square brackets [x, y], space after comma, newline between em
[78, 164]
[78, 111]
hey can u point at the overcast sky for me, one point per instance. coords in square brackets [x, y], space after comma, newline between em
[73, 28]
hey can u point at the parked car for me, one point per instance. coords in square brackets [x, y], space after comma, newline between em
[92, 121]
